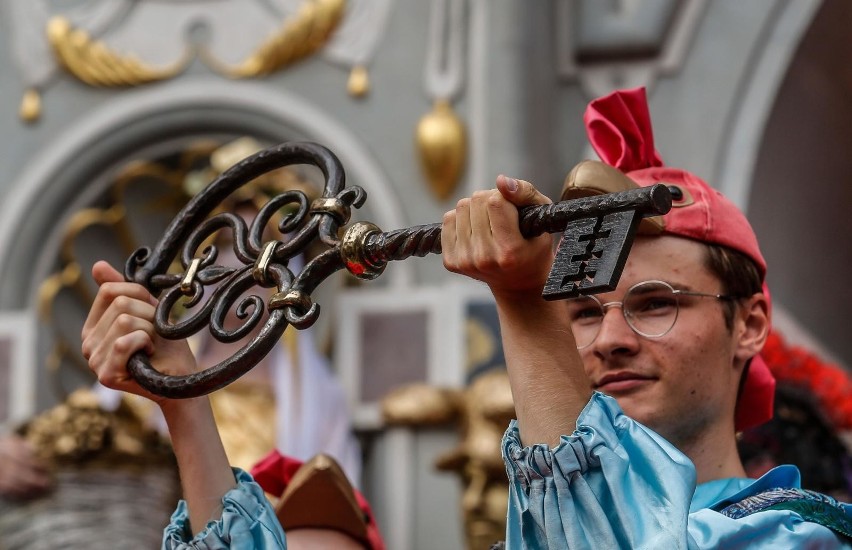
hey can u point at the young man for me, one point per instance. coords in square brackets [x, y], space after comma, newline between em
[676, 345]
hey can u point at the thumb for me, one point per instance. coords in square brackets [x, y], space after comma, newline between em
[102, 272]
[520, 192]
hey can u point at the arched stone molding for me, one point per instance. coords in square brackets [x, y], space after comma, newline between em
[57, 175]
[748, 119]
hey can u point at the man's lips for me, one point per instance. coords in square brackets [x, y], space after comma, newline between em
[620, 382]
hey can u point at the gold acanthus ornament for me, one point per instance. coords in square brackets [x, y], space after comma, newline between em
[301, 35]
[441, 145]
[94, 63]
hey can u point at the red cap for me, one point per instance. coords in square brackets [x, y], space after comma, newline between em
[619, 128]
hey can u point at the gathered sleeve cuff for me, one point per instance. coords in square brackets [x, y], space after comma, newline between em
[248, 521]
[611, 484]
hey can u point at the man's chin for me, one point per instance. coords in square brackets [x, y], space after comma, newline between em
[637, 408]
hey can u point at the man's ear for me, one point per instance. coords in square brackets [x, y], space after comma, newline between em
[751, 326]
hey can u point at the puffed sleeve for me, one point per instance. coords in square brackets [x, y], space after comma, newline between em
[611, 484]
[247, 522]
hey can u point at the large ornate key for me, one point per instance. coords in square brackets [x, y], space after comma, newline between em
[598, 232]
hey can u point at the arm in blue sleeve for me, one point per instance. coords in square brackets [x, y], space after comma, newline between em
[248, 522]
[611, 484]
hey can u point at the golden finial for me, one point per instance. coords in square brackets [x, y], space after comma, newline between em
[30, 109]
[441, 143]
[358, 84]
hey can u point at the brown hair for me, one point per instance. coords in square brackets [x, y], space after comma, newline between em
[738, 273]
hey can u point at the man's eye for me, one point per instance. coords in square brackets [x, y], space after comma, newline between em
[653, 305]
[586, 314]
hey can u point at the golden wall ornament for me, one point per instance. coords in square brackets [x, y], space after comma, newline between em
[440, 135]
[481, 412]
[96, 64]
[358, 84]
[355, 43]
[300, 35]
[442, 147]
[30, 108]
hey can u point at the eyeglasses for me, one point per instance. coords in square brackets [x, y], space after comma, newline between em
[650, 309]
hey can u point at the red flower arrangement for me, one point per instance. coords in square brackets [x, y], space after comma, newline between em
[829, 383]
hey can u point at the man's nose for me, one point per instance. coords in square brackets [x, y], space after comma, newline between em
[614, 335]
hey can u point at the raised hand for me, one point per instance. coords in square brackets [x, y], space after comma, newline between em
[119, 324]
[481, 239]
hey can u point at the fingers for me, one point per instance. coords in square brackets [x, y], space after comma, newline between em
[119, 324]
[503, 220]
[448, 238]
[120, 334]
[485, 206]
[520, 192]
[456, 236]
[469, 244]
[462, 234]
[125, 337]
[102, 272]
[110, 292]
[481, 238]
[115, 313]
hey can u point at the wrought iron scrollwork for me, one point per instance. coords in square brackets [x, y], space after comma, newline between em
[209, 290]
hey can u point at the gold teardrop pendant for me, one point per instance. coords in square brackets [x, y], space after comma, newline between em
[441, 144]
[359, 82]
[30, 110]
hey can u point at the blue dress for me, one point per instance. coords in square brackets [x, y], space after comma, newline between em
[614, 483]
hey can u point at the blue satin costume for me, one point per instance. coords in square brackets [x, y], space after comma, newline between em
[247, 522]
[614, 483]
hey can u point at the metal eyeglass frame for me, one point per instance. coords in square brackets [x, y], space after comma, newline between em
[675, 292]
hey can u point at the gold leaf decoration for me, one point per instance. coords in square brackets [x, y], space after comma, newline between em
[95, 64]
[441, 143]
[299, 36]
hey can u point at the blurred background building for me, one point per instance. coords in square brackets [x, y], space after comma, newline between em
[110, 108]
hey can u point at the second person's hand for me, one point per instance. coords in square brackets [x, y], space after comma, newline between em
[120, 323]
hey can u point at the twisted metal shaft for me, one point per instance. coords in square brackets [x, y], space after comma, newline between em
[420, 240]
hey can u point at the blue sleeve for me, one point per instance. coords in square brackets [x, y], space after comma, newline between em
[768, 529]
[248, 522]
[611, 484]
[615, 484]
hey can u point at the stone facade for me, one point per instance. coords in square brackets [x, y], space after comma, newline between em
[751, 96]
